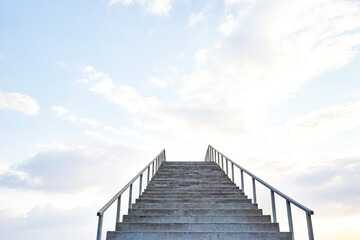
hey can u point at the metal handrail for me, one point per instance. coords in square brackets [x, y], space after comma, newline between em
[155, 163]
[213, 154]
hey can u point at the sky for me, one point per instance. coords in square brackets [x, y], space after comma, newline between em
[91, 91]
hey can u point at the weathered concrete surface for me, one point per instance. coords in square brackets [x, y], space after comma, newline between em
[194, 201]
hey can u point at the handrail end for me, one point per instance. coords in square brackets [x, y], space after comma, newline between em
[98, 214]
[311, 212]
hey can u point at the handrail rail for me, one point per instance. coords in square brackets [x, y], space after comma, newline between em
[106, 206]
[155, 163]
[211, 154]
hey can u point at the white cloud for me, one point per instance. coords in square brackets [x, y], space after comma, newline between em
[259, 65]
[73, 168]
[323, 123]
[59, 110]
[91, 122]
[47, 220]
[155, 7]
[196, 18]
[63, 112]
[229, 25]
[19, 102]
[71, 118]
[63, 65]
[123, 95]
[158, 82]
[159, 7]
[201, 16]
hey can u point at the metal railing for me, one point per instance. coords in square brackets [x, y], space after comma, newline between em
[154, 165]
[214, 155]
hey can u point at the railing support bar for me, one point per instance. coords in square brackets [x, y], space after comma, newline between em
[227, 166]
[222, 162]
[232, 172]
[254, 190]
[273, 206]
[148, 175]
[140, 185]
[99, 230]
[130, 196]
[291, 228]
[309, 225]
[242, 181]
[153, 165]
[118, 208]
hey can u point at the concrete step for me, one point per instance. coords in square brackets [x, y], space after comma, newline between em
[195, 212]
[197, 227]
[198, 236]
[197, 219]
[207, 190]
[193, 196]
[192, 186]
[193, 200]
[194, 205]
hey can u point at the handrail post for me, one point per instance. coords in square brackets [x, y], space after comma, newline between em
[254, 189]
[222, 162]
[152, 169]
[291, 228]
[232, 172]
[227, 167]
[309, 225]
[99, 230]
[242, 181]
[273, 206]
[130, 196]
[218, 157]
[118, 208]
[140, 185]
[148, 175]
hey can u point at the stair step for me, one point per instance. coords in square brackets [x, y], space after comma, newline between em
[198, 236]
[193, 200]
[197, 219]
[197, 227]
[195, 212]
[194, 205]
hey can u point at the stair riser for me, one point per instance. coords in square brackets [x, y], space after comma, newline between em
[192, 200]
[198, 236]
[195, 212]
[194, 205]
[198, 227]
[196, 219]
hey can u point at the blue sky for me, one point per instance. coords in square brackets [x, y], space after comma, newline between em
[91, 90]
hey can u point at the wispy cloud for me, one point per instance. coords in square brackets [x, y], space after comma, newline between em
[19, 102]
[123, 95]
[201, 16]
[155, 7]
[71, 168]
[158, 82]
[63, 112]
[277, 55]
[320, 124]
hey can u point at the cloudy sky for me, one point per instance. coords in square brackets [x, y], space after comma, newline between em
[92, 90]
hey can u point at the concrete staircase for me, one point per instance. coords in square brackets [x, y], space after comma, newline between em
[194, 201]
